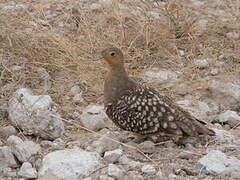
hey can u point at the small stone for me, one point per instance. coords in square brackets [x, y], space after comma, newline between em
[185, 155]
[126, 161]
[148, 169]
[201, 63]
[223, 135]
[8, 172]
[229, 117]
[153, 14]
[181, 52]
[27, 171]
[204, 107]
[102, 144]
[6, 157]
[225, 89]
[58, 144]
[233, 35]
[14, 140]
[216, 162]
[94, 117]
[113, 156]
[214, 71]
[77, 98]
[147, 147]
[198, 108]
[114, 171]
[105, 177]
[7, 131]
[35, 114]
[46, 144]
[23, 150]
[75, 90]
[70, 163]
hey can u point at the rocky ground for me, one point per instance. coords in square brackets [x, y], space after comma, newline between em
[53, 124]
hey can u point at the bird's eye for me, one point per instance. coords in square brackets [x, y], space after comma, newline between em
[112, 54]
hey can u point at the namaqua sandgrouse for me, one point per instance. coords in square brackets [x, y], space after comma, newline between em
[142, 110]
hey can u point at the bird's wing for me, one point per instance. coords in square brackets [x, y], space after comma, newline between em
[145, 111]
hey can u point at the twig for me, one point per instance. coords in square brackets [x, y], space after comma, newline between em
[113, 140]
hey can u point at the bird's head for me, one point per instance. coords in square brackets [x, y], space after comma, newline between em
[113, 56]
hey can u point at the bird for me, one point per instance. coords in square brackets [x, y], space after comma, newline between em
[141, 109]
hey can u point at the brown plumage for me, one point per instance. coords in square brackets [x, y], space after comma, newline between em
[143, 110]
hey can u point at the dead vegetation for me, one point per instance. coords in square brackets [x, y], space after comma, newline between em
[61, 37]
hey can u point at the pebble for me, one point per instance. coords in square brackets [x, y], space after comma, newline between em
[7, 131]
[113, 156]
[217, 162]
[105, 177]
[201, 63]
[70, 163]
[35, 115]
[148, 169]
[233, 35]
[147, 147]
[23, 150]
[126, 161]
[6, 157]
[27, 171]
[74, 90]
[114, 171]
[185, 155]
[229, 117]
[94, 118]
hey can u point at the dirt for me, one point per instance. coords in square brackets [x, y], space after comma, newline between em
[48, 46]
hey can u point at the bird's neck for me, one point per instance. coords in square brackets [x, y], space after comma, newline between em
[116, 84]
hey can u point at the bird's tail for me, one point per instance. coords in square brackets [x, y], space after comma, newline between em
[202, 129]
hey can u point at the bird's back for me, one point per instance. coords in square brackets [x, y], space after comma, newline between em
[145, 111]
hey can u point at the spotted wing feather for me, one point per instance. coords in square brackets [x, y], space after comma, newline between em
[145, 111]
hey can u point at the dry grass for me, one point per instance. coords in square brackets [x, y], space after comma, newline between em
[48, 47]
[61, 37]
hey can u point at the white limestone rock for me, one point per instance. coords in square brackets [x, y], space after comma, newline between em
[70, 163]
[115, 171]
[148, 169]
[7, 131]
[229, 117]
[94, 117]
[216, 162]
[6, 158]
[34, 115]
[23, 150]
[202, 63]
[225, 92]
[27, 171]
[113, 156]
